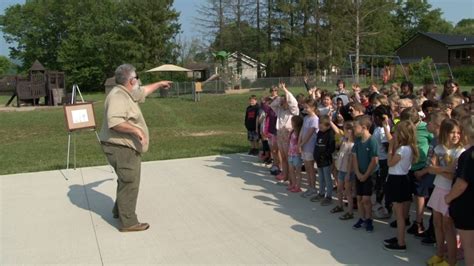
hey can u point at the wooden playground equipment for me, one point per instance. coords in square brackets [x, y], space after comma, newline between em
[38, 84]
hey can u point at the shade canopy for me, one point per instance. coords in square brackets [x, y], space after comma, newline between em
[169, 68]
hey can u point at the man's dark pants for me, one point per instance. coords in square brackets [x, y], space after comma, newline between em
[127, 164]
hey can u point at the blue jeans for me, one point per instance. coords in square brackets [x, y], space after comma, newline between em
[325, 181]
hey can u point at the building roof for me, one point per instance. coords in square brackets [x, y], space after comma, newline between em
[451, 41]
[197, 66]
[37, 66]
[247, 59]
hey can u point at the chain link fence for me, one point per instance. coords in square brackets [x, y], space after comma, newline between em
[180, 89]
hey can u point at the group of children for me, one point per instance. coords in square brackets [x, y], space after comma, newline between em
[400, 145]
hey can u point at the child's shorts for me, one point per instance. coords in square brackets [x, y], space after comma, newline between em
[365, 188]
[295, 160]
[252, 135]
[437, 202]
[341, 176]
[307, 156]
[397, 188]
[421, 188]
[283, 139]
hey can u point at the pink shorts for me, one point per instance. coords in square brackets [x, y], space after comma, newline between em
[437, 202]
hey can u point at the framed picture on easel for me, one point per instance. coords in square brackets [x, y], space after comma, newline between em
[79, 116]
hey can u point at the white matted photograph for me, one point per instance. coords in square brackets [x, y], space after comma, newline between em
[79, 116]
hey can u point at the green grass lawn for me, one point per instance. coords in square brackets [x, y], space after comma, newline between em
[179, 128]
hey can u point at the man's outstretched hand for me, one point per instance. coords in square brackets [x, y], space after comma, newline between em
[165, 84]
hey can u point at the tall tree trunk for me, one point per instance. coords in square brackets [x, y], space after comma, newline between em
[269, 34]
[292, 19]
[238, 15]
[357, 66]
[317, 18]
[269, 25]
[221, 24]
[259, 74]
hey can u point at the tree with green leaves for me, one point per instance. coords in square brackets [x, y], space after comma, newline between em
[38, 29]
[413, 16]
[6, 66]
[88, 39]
[316, 35]
[465, 26]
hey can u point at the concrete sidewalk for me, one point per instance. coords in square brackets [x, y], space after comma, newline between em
[210, 210]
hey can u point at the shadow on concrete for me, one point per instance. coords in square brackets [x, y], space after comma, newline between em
[230, 149]
[321, 228]
[87, 198]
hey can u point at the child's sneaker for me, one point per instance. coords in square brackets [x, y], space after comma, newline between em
[296, 189]
[369, 227]
[317, 198]
[428, 241]
[376, 206]
[415, 228]
[274, 170]
[326, 202]
[280, 177]
[389, 241]
[346, 216]
[381, 212]
[421, 235]
[360, 224]
[308, 193]
[395, 247]
[434, 260]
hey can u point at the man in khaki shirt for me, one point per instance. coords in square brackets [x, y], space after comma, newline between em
[124, 137]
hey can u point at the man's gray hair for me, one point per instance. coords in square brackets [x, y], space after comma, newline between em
[123, 73]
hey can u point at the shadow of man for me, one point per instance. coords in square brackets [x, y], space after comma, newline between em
[87, 198]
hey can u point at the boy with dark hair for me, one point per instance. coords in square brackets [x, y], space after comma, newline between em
[428, 106]
[364, 97]
[365, 164]
[406, 90]
[251, 124]
[323, 150]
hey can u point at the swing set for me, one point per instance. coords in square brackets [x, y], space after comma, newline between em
[384, 68]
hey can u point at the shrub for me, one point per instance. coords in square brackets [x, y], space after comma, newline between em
[464, 74]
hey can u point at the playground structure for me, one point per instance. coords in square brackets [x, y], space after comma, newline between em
[224, 72]
[38, 84]
[392, 64]
[388, 72]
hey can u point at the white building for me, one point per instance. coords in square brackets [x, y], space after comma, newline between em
[248, 66]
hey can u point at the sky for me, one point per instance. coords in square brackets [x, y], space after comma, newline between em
[454, 11]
